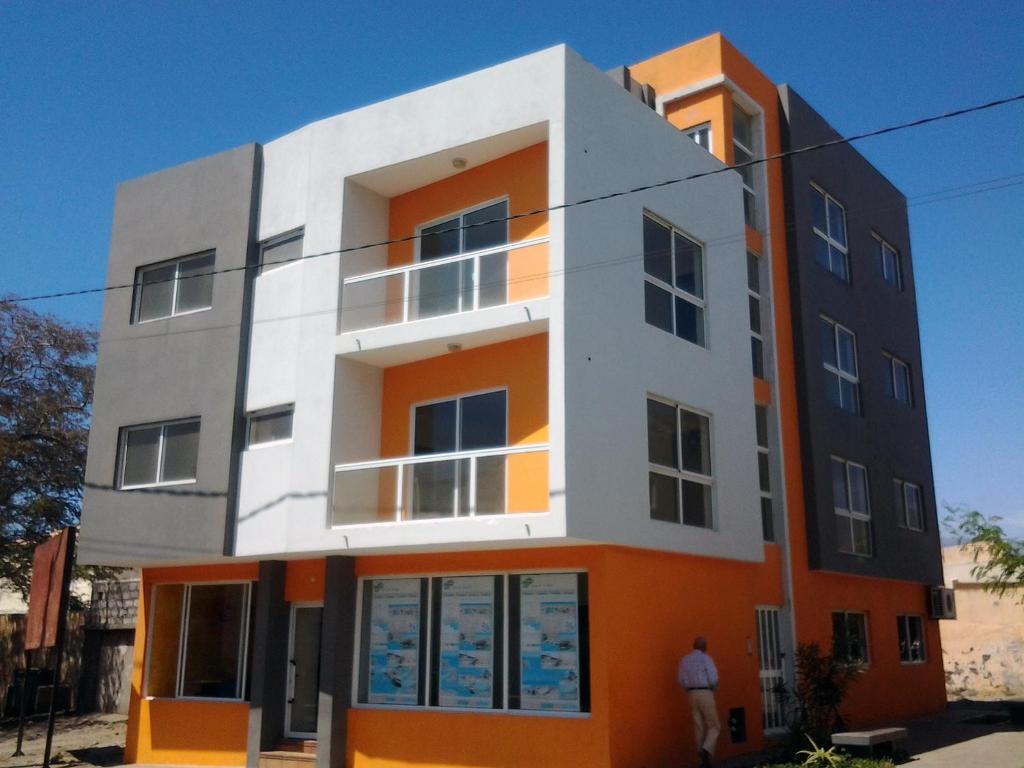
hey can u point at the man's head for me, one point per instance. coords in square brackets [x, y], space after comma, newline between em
[700, 644]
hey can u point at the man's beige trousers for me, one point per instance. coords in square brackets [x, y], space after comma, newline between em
[705, 719]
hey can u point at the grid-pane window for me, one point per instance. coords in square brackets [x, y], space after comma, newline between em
[158, 454]
[754, 302]
[700, 135]
[839, 358]
[764, 472]
[909, 504]
[281, 251]
[674, 285]
[910, 630]
[898, 375]
[743, 152]
[850, 637]
[852, 508]
[828, 220]
[888, 259]
[679, 461]
[173, 288]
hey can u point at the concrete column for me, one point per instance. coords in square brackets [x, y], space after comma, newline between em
[269, 662]
[336, 647]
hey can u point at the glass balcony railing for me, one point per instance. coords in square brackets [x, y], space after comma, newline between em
[493, 481]
[464, 282]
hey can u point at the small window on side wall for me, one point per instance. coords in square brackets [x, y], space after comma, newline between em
[679, 459]
[674, 285]
[850, 637]
[910, 630]
[281, 251]
[158, 454]
[700, 135]
[271, 425]
[172, 288]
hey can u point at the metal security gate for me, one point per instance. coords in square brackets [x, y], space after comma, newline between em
[769, 654]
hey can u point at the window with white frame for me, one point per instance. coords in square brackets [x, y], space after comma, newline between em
[270, 425]
[199, 636]
[839, 357]
[909, 504]
[889, 263]
[700, 135]
[910, 631]
[281, 250]
[754, 300]
[674, 285]
[158, 454]
[852, 507]
[850, 637]
[679, 463]
[172, 288]
[828, 219]
[898, 374]
[764, 475]
[743, 152]
[513, 641]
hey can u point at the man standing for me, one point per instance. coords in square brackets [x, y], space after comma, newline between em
[697, 674]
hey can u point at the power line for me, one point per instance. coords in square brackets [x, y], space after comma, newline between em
[561, 206]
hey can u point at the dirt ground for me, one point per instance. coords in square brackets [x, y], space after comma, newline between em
[86, 740]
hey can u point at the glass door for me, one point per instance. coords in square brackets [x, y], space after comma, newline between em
[303, 671]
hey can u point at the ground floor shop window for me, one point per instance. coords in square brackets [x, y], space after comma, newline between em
[199, 639]
[501, 641]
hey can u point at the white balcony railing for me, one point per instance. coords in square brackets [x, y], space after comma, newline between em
[464, 282]
[492, 481]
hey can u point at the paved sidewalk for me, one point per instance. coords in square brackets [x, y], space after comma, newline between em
[968, 734]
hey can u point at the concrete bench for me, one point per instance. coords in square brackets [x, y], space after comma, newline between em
[870, 743]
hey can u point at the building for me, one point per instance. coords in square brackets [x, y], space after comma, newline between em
[460, 484]
[983, 649]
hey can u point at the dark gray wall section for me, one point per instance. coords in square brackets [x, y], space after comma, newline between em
[175, 368]
[890, 439]
[271, 626]
[336, 645]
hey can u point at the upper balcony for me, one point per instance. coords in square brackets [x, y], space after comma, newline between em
[465, 268]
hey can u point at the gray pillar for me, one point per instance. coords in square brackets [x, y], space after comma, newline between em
[336, 662]
[269, 662]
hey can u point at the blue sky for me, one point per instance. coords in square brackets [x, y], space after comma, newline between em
[93, 93]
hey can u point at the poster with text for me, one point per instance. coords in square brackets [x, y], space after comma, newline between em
[549, 642]
[466, 650]
[395, 641]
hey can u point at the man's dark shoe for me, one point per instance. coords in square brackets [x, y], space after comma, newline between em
[705, 758]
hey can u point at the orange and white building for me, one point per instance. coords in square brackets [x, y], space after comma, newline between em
[434, 450]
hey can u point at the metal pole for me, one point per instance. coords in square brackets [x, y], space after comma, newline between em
[62, 625]
[21, 704]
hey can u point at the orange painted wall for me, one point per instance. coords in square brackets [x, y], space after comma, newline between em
[177, 732]
[304, 581]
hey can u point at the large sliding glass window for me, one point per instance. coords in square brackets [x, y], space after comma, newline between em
[171, 288]
[464, 622]
[158, 454]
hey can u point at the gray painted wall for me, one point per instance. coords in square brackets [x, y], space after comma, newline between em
[889, 438]
[180, 367]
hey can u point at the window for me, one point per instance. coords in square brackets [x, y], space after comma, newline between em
[700, 135]
[828, 219]
[909, 504]
[199, 641]
[850, 637]
[853, 513]
[674, 288]
[679, 456]
[743, 152]
[764, 473]
[898, 373]
[173, 288]
[452, 287]
[158, 454]
[281, 251]
[910, 630]
[754, 299]
[839, 356]
[440, 642]
[473, 485]
[271, 425]
[889, 263]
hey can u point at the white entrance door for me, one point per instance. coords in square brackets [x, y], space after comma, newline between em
[769, 654]
[303, 671]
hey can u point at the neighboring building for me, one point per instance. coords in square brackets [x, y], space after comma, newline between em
[464, 499]
[984, 646]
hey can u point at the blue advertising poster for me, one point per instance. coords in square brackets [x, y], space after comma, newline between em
[395, 641]
[549, 642]
[467, 642]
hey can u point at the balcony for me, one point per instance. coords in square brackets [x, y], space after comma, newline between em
[465, 484]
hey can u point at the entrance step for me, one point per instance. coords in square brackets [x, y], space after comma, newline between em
[298, 745]
[285, 758]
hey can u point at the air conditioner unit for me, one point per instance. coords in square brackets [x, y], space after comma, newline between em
[941, 603]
